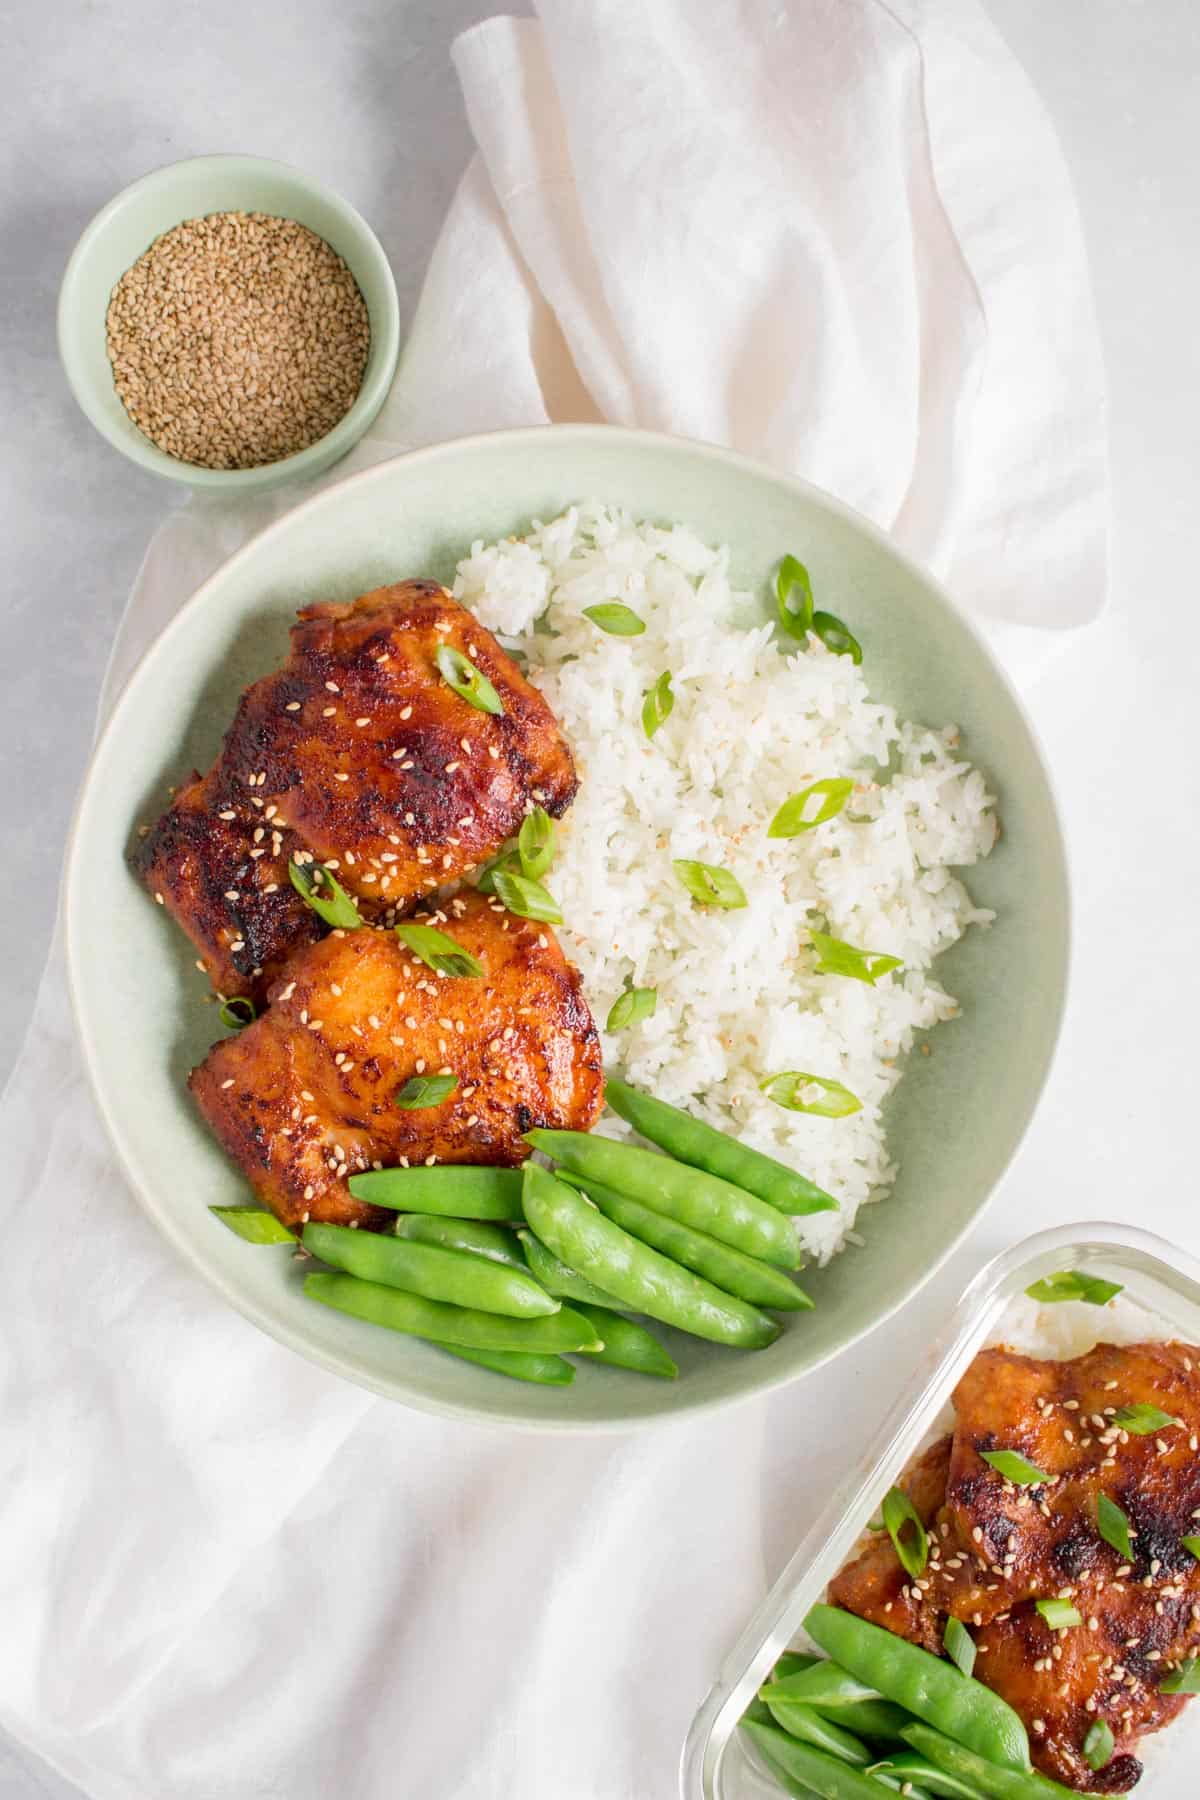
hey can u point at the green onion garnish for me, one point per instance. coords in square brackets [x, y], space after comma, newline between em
[439, 952]
[617, 620]
[1072, 1284]
[507, 860]
[793, 1088]
[836, 958]
[796, 815]
[253, 1224]
[535, 843]
[902, 1522]
[634, 1004]
[1098, 1746]
[425, 1090]
[1183, 1680]
[658, 705]
[1113, 1526]
[1140, 1420]
[794, 597]
[835, 636]
[527, 899]
[1059, 1615]
[1192, 1546]
[1014, 1467]
[237, 1013]
[327, 897]
[468, 682]
[959, 1645]
[710, 884]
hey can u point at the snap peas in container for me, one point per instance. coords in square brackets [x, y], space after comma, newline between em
[704, 1147]
[841, 1697]
[812, 1727]
[579, 1235]
[462, 1190]
[454, 1276]
[690, 1195]
[932, 1689]
[910, 1765]
[474, 1236]
[556, 1278]
[806, 1770]
[627, 1345]
[519, 1365]
[556, 1334]
[980, 1772]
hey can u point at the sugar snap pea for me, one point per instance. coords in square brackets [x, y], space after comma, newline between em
[841, 1697]
[556, 1278]
[475, 1236]
[637, 1277]
[791, 1663]
[454, 1276]
[746, 1276]
[985, 1776]
[704, 1147]
[627, 1345]
[558, 1333]
[812, 1727]
[690, 1195]
[806, 1770]
[460, 1189]
[520, 1365]
[923, 1684]
[910, 1765]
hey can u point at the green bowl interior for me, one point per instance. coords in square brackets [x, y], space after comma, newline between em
[958, 1115]
[128, 226]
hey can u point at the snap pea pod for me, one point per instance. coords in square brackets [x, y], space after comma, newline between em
[454, 1276]
[704, 1147]
[910, 1765]
[459, 1189]
[806, 1770]
[932, 1689]
[689, 1195]
[626, 1344]
[791, 1663]
[988, 1778]
[812, 1727]
[474, 1236]
[521, 1365]
[555, 1276]
[637, 1277]
[834, 1691]
[734, 1271]
[462, 1325]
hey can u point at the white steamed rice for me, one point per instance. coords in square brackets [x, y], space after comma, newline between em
[738, 995]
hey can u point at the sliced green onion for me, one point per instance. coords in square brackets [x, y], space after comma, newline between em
[331, 903]
[1141, 1420]
[1183, 1680]
[535, 843]
[658, 705]
[425, 1090]
[836, 958]
[253, 1224]
[1113, 1526]
[793, 1089]
[468, 682]
[795, 815]
[528, 899]
[634, 1004]
[1059, 1615]
[1098, 1746]
[710, 884]
[1073, 1284]
[836, 637]
[1192, 1546]
[508, 861]
[1014, 1467]
[902, 1522]
[794, 597]
[439, 952]
[237, 1013]
[617, 620]
[959, 1645]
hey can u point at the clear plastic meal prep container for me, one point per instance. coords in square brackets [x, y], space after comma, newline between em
[1161, 1298]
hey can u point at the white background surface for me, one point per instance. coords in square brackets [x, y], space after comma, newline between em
[362, 92]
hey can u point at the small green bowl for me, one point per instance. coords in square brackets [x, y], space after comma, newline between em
[128, 225]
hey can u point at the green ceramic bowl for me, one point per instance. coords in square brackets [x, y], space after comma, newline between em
[128, 225]
[957, 1117]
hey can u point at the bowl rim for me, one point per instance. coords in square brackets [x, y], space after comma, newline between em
[293, 1337]
[339, 439]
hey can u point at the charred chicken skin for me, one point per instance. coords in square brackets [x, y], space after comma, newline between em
[305, 1097]
[359, 755]
[996, 1548]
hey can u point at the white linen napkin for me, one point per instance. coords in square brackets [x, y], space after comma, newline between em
[837, 234]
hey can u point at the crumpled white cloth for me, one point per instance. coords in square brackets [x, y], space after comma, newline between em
[837, 234]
